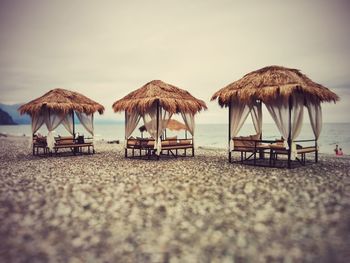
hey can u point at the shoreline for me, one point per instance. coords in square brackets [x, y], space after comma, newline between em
[113, 141]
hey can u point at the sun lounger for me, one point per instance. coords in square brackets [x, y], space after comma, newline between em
[170, 146]
[74, 145]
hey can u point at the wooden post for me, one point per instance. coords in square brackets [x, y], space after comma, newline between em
[126, 140]
[290, 131]
[73, 125]
[229, 132]
[33, 143]
[93, 128]
[316, 151]
[158, 154]
[260, 105]
[192, 146]
[261, 152]
[74, 149]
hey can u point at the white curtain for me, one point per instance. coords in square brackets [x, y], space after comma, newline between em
[150, 121]
[87, 121]
[315, 114]
[239, 113]
[189, 122]
[131, 121]
[37, 121]
[256, 113]
[279, 111]
[297, 122]
[52, 120]
[68, 123]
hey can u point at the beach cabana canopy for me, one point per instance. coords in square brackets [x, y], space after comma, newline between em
[58, 106]
[284, 92]
[155, 103]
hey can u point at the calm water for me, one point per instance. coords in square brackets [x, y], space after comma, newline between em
[212, 135]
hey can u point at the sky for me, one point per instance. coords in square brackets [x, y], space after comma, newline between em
[106, 49]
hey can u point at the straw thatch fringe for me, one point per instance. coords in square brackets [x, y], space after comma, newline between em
[61, 100]
[171, 98]
[273, 83]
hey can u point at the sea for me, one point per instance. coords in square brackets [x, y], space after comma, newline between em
[207, 135]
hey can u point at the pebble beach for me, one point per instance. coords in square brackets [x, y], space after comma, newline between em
[105, 208]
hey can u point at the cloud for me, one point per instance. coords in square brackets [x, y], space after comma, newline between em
[108, 49]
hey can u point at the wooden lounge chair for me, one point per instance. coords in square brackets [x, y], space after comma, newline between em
[279, 149]
[172, 145]
[145, 146]
[248, 144]
[39, 142]
[75, 145]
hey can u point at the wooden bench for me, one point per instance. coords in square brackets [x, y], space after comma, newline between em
[302, 151]
[170, 145]
[73, 145]
[248, 144]
[39, 143]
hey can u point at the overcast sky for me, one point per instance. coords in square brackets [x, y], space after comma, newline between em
[106, 49]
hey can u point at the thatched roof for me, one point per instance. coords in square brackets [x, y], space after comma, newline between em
[171, 98]
[172, 125]
[62, 100]
[273, 83]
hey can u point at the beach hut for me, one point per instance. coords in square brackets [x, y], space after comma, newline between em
[59, 106]
[284, 92]
[155, 103]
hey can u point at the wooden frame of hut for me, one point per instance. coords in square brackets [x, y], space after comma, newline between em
[284, 92]
[155, 103]
[59, 106]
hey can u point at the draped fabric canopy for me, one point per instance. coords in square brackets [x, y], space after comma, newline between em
[189, 122]
[239, 111]
[156, 120]
[238, 114]
[288, 117]
[315, 115]
[68, 123]
[58, 107]
[285, 92]
[87, 121]
[156, 102]
[53, 119]
[153, 120]
[256, 113]
[131, 121]
[37, 121]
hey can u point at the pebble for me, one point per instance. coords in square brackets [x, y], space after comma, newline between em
[105, 208]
